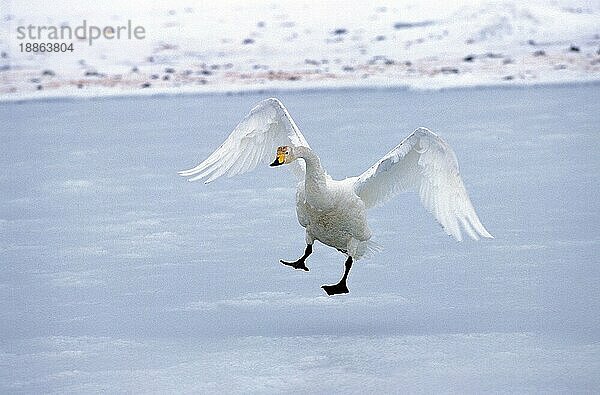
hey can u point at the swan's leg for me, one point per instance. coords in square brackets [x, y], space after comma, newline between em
[299, 264]
[341, 287]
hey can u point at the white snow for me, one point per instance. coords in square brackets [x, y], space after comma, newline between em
[436, 363]
[303, 44]
[117, 275]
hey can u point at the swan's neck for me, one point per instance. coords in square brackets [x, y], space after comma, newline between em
[314, 170]
[315, 182]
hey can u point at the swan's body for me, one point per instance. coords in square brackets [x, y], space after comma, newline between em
[335, 212]
[330, 210]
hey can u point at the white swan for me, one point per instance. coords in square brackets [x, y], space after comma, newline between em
[334, 212]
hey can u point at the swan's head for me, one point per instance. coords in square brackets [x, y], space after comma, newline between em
[285, 155]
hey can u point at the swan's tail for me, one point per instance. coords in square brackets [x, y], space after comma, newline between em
[367, 249]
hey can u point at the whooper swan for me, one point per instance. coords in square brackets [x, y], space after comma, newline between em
[334, 212]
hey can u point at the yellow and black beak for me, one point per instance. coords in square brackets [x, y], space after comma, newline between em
[279, 160]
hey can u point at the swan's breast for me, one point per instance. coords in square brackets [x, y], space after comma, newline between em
[337, 222]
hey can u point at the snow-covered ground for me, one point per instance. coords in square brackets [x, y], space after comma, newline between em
[117, 275]
[246, 45]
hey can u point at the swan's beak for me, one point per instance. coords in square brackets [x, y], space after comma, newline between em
[280, 160]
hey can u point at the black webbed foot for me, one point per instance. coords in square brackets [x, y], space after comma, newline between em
[341, 287]
[336, 289]
[299, 264]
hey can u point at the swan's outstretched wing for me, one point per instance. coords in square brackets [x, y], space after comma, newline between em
[424, 163]
[253, 141]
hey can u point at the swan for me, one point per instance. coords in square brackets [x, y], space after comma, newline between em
[334, 212]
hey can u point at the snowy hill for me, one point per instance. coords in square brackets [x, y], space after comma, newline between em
[239, 45]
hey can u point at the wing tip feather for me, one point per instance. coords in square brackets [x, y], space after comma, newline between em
[487, 234]
[483, 233]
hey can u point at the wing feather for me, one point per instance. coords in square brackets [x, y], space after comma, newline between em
[426, 164]
[253, 141]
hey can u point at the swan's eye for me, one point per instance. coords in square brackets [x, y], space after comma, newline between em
[287, 152]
